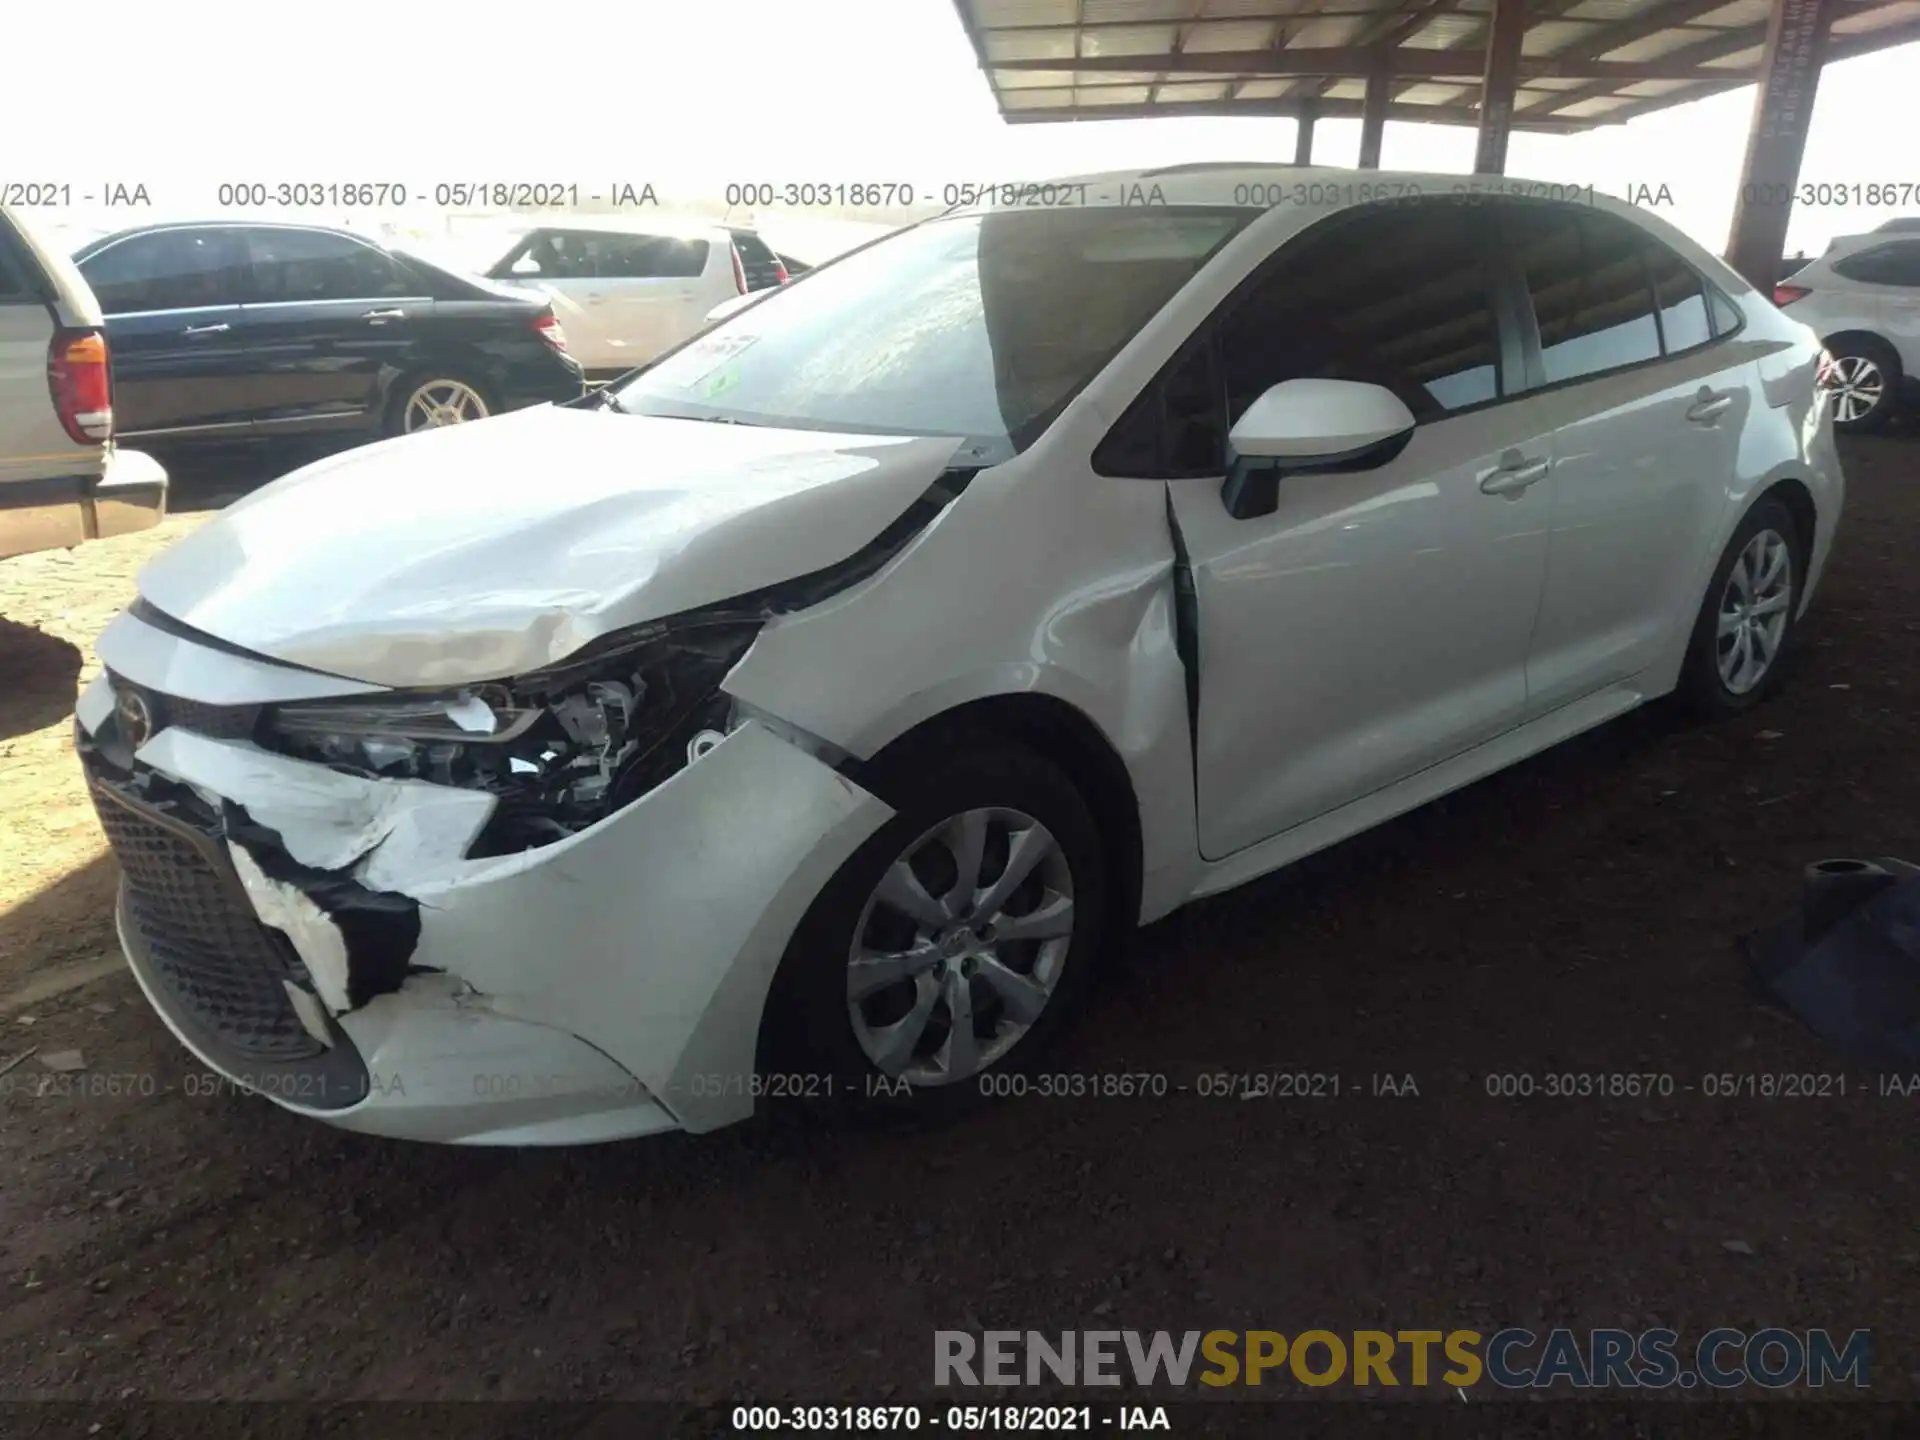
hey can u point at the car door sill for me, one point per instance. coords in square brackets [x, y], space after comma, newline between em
[1418, 789]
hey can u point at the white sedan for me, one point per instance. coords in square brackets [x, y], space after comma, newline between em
[804, 716]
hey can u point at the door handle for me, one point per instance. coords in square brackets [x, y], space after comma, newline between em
[1709, 406]
[596, 299]
[1515, 478]
[378, 315]
[205, 329]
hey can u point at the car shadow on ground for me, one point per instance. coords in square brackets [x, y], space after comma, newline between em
[39, 674]
[72, 918]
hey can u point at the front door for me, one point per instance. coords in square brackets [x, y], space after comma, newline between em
[1376, 623]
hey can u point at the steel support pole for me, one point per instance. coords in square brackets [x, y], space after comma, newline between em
[1497, 86]
[1373, 110]
[1782, 111]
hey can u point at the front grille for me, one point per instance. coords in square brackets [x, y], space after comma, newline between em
[220, 965]
[216, 722]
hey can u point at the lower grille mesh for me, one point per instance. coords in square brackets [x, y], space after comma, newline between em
[216, 960]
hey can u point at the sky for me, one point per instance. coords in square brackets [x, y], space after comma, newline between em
[694, 95]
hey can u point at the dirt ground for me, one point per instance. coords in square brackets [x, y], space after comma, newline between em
[1579, 913]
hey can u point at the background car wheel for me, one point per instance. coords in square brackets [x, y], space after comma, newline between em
[426, 402]
[1747, 619]
[953, 945]
[1863, 384]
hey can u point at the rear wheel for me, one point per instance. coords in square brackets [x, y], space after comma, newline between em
[954, 945]
[1747, 618]
[1862, 384]
[427, 402]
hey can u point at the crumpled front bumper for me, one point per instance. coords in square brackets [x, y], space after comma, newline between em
[321, 937]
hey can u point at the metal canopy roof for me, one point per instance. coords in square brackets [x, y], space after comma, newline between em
[1583, 62]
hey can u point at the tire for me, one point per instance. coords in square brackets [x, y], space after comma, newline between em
[814, 1027]
[1864, 370]
[428, 383]
[1706, 686]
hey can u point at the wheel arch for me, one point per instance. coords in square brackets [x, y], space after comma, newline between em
[450, 361]
[1065, 735]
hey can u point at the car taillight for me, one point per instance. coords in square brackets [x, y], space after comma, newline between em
[739, 273]
[82, 384]
[780, 276]
[1787, 294]
[550, 331]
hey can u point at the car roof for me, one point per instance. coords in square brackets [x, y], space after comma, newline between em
[1226, 182]
[669, 226]
[100, 242]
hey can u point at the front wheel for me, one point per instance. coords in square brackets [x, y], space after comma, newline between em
[428, 402]
[1747, 618]
[955, 943]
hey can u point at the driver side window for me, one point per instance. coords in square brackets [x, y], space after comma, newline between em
[1398, 296]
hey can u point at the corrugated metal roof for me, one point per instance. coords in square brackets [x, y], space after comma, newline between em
[1584, 62]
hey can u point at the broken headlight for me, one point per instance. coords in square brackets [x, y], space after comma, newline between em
[560, 748]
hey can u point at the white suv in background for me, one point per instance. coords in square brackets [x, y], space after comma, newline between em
[626, 292]
[1863, 299]
[62, 480]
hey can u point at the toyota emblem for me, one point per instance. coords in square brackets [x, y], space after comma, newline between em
[130, 708]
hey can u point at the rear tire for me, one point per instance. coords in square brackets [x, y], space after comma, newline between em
[1747, 620]
[445, 393]
[867, 1001]
[1865, 384]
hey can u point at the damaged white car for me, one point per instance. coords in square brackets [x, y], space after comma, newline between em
[802, 716]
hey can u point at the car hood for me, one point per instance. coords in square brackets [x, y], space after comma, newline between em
[480, 551]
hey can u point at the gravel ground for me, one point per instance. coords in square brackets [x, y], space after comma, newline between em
[162, 1238]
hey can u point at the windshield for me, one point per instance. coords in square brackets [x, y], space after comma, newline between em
[982, 326]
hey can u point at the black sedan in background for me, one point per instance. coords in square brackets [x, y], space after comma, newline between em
[248, 331]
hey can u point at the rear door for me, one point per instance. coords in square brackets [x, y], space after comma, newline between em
[172, 302]
[564, 266]
[327, 316]
[657, 290]
[1648, 404]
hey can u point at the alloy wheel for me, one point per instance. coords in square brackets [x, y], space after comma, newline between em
[1755, 606]
[1855, 385]
[443, 402]
[960, 947]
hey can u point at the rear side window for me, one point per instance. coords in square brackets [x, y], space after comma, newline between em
[652, 257]
[290, 266]
[591, 255]
[1726, 315]
[169, 270]
[1587, 276]
[757, 260]
[1897, 263]
[1684, 324]
[13, 281]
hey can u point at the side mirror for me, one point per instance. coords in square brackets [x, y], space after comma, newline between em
[1308, 427]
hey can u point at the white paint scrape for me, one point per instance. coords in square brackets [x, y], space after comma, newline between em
[290, 910]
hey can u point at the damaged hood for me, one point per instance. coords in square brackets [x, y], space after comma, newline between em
[480, 551]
